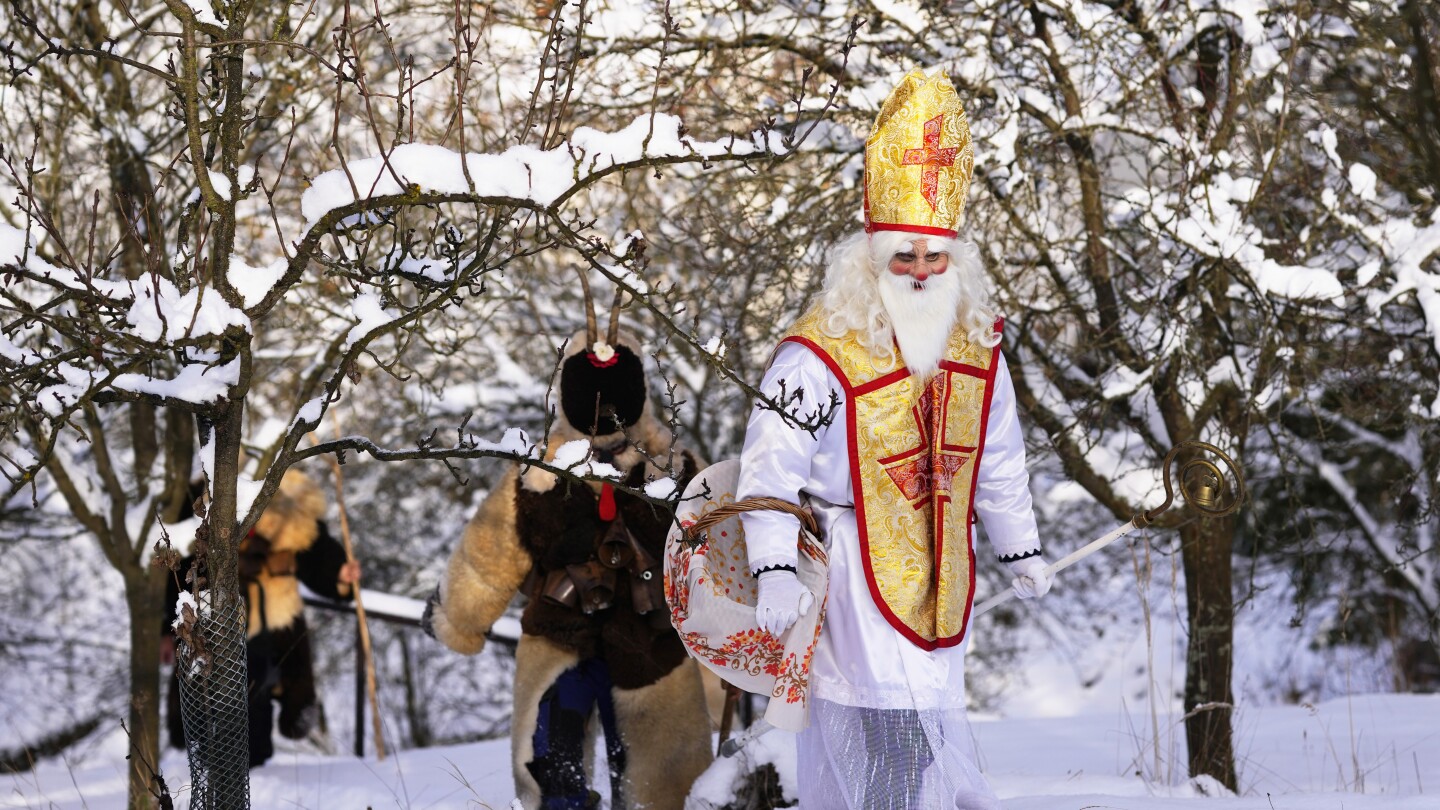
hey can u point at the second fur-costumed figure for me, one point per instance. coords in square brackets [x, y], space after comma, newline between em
[597, 647]
[290, 544]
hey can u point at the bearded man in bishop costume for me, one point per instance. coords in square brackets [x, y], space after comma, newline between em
[904, 337]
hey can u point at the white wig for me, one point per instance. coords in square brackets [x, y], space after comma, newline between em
[849, 302]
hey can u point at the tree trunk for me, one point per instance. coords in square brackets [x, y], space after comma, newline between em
[230, 784]
[144, 590]
[1209, 658]
[216, 709]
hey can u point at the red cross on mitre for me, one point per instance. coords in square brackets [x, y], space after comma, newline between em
[929, 468]
[932, 157]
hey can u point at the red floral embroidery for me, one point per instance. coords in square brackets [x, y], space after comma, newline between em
[753, 651]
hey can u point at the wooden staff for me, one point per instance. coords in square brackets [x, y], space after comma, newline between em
[359, 606]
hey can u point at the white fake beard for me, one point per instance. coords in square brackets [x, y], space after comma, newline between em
[922, 318]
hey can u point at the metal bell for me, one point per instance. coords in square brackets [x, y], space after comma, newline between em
[1205, 490]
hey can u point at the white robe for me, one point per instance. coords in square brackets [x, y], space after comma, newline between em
[861, 661]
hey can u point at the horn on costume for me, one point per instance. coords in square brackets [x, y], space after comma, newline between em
[592, 331]
[614, 332]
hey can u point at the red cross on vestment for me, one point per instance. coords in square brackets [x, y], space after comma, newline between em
[929, 468]
[932, 157]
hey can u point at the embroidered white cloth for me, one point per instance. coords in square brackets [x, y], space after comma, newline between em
[711, 594]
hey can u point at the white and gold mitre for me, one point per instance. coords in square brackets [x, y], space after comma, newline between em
[919, 159]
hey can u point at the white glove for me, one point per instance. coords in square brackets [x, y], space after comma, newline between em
[781, 602]
[1030, 577]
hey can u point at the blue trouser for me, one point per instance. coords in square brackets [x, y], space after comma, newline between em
[558, 764]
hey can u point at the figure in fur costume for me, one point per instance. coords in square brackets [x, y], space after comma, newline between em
[289, 545]
[597, 642]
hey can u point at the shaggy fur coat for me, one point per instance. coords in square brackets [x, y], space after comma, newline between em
[289, 545]
[536, 521]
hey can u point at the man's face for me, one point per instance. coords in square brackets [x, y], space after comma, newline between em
[919, 263]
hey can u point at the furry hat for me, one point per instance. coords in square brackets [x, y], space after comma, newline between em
[602, 388]
[616, 380]
[290, 520]
[602, 379]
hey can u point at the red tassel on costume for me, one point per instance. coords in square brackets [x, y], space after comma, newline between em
[607, 502]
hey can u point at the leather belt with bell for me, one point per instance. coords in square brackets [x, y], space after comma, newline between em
[590, 586]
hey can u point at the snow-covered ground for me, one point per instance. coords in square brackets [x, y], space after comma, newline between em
[1074, 691]
[1374, 751]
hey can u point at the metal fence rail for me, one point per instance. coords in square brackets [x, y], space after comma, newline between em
[406, 612]
[398, 610]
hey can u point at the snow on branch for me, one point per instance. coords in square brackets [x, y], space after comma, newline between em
[147, 311]
[1410, 248]
[155, 309]
[521, 172]
[1410, 567]
[17, 250]
[196, 383]
[1211, 219]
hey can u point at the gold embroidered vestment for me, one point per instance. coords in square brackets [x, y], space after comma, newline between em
[914, 462]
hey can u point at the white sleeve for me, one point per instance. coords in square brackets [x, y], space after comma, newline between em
[1002, 492]
[776, 459]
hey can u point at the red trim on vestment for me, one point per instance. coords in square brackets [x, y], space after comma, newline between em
[963, 368]
[854, 453]
[938, 505]
[881, 382]
[949, 233]
[888, 460]
[829, 361]
[975, 475]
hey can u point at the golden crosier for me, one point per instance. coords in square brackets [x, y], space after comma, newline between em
[919, 159]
